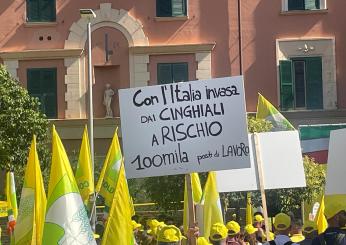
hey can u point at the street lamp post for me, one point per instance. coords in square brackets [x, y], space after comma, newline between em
[89, 14]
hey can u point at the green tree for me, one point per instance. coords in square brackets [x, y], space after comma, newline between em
[20, 118]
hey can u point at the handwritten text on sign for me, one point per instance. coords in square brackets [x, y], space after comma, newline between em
[187, 127]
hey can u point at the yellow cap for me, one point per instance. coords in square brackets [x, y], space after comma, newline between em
[309, 226]
[135, 225]
[233, 227]
[169, 233]
[218, 232]
[282, 221]
[202, 241]
[258, 218]
[154, 225]
[249, 229]
[334, 204]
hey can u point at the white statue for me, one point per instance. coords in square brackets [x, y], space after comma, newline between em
[107, 100]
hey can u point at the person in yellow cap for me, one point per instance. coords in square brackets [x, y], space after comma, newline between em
[297, 231]
[233, 233]
[218, 234]
[335, 213]
[258, 223]
[250, 235]
[282, 226]
[169, 234]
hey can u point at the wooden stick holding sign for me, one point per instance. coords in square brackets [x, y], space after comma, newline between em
[191, 237]
[261, 184]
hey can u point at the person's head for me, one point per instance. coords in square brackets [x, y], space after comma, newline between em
[309, 229]
[296, 227]
[135, 226]
[218, 234]
[335, 210]
[233, 228]
[250, 233]
[258, 220]
[108, 85]
[169, 235]
[154, 226]
[282, 224]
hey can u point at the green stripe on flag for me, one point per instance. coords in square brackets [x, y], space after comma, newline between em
[308, 132]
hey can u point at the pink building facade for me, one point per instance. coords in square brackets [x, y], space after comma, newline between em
[291, 51]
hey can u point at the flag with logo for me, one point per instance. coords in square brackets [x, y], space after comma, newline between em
[66, 219]
[110, 172]
[212, 206]
[32, 207]
[84, 176]
[265, 110]
[196, 196]
[119, 224]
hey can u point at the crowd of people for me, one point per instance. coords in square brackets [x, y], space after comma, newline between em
[286, 230]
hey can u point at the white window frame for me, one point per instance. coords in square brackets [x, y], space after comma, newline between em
[284, 5]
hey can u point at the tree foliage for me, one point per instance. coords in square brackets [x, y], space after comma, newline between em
[20, 119]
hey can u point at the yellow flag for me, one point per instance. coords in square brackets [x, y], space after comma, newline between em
[119, 226]
[32, 208]
[11, 194]
[265, 110]
[248, 209]
[84, 176]
[196, 196]
[66, 220]
[110, 172]
[320, 219]
[212, 206]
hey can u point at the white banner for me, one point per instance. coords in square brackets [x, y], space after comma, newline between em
[336, 168]
[187, 127]
[281, 160]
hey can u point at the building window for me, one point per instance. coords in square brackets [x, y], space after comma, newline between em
[171, 8]
[42, 83]
[303, 4]
[301, 83]
[172, 72]
[40, 10]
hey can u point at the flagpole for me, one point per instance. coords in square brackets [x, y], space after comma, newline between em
[192, 238]
[261, 183]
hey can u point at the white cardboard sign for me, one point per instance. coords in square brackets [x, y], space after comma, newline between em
[281, 160]
[336, 168]
[187, 127]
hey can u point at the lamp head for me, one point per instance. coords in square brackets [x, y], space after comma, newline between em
[87, 13]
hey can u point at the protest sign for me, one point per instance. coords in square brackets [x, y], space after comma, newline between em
[281, 160]
[336, 168]
[187, 127]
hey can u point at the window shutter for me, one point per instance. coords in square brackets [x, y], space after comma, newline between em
[178, 7]
[180, 72]
[34, 85]
[47, 10]
[314, 90]
[164, 73]
[49, 91]
[32, 10]
[286, 85]
[296, 5]
[163, 8]
[312, 4]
